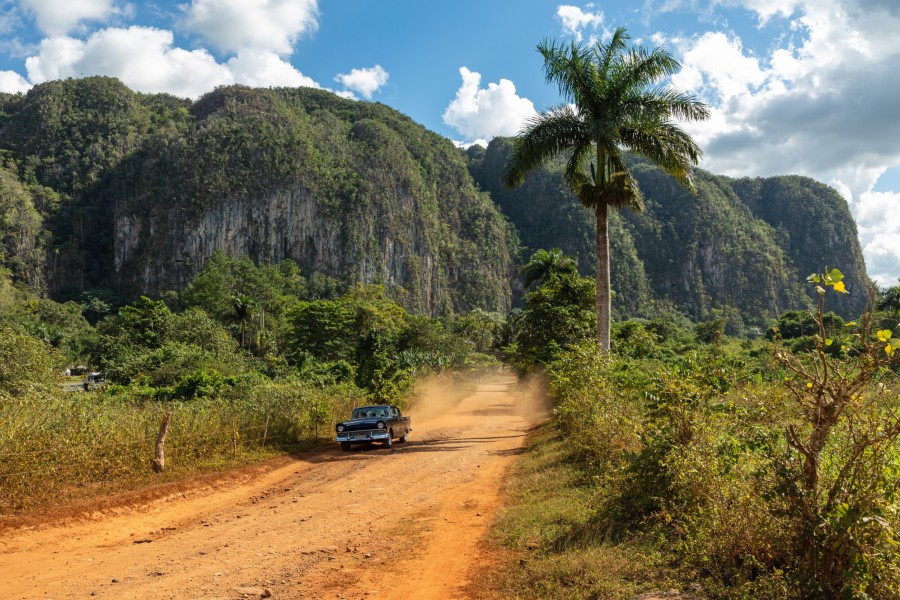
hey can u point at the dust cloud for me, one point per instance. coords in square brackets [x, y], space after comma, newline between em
[438, 396]
[532, 398]
[441, 396]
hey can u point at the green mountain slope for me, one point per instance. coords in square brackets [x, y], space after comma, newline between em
[152, 185]
[735, 244]
[105, 189]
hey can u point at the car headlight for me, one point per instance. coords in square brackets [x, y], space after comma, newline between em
[380, 425]
[340, 428]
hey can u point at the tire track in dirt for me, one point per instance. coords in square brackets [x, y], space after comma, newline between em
[369, 523]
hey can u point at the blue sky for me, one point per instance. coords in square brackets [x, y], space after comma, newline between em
[796, 86]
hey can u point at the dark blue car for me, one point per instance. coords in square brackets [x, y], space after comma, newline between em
[382, 423]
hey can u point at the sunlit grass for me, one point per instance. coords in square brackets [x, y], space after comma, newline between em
[554, 550]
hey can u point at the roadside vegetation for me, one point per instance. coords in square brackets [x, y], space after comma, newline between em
[249, 361]
[721, 467]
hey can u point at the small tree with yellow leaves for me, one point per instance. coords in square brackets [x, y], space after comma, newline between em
[838, 495]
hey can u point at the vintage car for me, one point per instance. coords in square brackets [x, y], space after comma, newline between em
[369, 424]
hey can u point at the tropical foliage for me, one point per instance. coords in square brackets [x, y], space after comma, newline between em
[731, 469]
[543, 264]
[239, 359]
[617, 105]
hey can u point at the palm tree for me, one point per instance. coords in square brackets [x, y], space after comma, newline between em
[617, 104]
[243, 307]
[543, 264]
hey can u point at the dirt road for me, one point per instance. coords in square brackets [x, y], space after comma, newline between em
[370, 523]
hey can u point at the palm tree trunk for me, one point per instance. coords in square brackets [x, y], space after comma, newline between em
[603, 288]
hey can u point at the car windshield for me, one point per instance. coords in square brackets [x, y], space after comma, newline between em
[371, 412]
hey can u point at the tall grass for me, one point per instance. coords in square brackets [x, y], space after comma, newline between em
[57, 446]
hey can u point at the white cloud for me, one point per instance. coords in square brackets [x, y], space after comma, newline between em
[716, 63]
[466, 145]
[824, 104]
[146, 60]
[13, 83]
[876, 217]
[143, 58]
[365, 81]
[58, 17]
[575, 20]
[258, 68]
[235, 25]
[486, 113]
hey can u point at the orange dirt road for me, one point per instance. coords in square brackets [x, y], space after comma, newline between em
[369, 523]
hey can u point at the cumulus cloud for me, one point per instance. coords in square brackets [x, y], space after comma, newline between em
[258, 68]
[467, 145]
[575, 20]
[716, 64]
[143, 58]
[876, 217]
[146, 60]
[478, 113]
[13, 83]
[235, 25]
[58, 17]
[365, 81]
[822, 104]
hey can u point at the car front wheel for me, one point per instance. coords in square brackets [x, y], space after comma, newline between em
[389, 442]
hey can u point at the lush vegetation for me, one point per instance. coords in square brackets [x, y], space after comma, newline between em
[107, 194]
[702, 255]
[119, 194]
[617, 102]
[249, 360]
[257, 262]
[726, 468]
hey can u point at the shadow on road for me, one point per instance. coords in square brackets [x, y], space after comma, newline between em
[448, 444]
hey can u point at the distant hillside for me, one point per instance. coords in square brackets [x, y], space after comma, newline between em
[151, 185]
[736, 244]
[119, 193]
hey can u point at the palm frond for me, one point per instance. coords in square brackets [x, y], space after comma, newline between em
[543, 138]
[664, 102]
[574, 174]
[608, 54]
[666, 145]
[568, 67]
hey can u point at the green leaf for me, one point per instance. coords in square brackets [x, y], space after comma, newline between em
[850, 324]
[813, 278]
[829, 342]
[836, 275]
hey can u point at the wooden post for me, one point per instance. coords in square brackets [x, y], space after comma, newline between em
[159, 463]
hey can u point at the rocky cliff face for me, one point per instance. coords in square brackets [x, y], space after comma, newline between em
[163, 249]
[151, 186]
[742, 246]
[812, 222]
